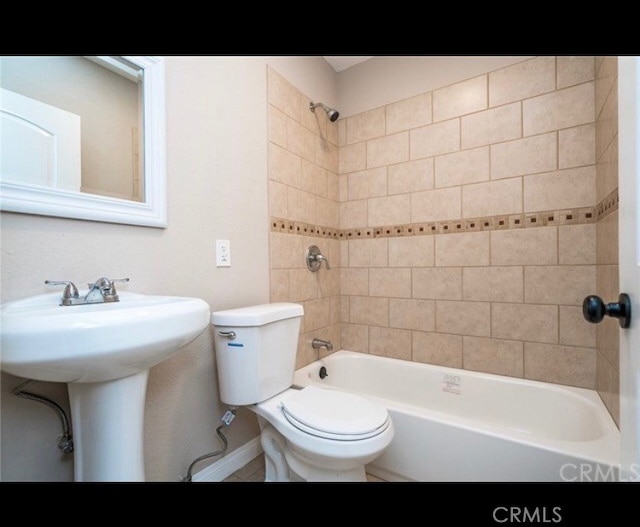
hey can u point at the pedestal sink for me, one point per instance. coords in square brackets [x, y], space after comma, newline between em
[103, 352]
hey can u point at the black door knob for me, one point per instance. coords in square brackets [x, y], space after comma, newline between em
[594, 309]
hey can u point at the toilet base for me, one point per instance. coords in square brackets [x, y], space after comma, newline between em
[283, 464]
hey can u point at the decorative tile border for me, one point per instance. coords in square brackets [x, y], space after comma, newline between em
[488, 223]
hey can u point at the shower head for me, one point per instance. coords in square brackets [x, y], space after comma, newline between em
[331, 113]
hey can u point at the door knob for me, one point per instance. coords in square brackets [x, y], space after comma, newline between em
[594, 309]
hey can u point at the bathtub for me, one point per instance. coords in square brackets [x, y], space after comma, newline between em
[459, 425]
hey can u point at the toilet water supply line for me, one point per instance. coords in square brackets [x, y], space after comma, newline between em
[226, 419]
[65, 441]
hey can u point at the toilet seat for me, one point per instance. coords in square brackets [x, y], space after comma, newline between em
[335, 415]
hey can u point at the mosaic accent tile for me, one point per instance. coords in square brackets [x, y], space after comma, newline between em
[550, 218]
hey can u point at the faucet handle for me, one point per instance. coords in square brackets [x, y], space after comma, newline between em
[105, 283]
[70, 290]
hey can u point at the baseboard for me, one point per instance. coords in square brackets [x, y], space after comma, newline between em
[223, 468]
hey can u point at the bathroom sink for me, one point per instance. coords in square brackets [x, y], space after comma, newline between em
[44, 341]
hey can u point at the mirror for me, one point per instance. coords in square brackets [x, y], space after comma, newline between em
[84, 138]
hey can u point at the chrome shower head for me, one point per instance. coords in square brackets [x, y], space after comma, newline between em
[331, 113]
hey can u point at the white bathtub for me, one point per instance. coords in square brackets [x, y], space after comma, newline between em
[459, 425]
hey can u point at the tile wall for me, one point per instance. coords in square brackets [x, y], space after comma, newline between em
[460, 223]
[607, 332]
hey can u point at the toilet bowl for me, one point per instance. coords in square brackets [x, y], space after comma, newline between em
[309, 434]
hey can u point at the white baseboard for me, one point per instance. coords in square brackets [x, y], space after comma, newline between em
[223, 468]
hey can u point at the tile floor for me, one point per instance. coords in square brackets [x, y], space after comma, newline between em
[254, 472]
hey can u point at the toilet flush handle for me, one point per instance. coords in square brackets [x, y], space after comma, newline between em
[229, 334]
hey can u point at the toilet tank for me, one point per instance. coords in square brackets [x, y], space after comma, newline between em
[256, 350]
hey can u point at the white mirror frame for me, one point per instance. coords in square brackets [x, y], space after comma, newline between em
[46, 201]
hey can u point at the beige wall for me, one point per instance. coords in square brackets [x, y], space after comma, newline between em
[607, 332]
[217, 188]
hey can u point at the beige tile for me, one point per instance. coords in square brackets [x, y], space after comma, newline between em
[465, 249]
[369, 253]
[352, 158]
[575, 70]
[353, 214]
[300, 140]
[355, 337]
[560, 109]
[306, 354]
[574, 329]
[369, 310]
[435, 139]
[354, 281]
[368, 183]
[333, 188]
[332, 131]
[607, 171]
[390, 210]
[524, 156]
[343, 187]
[412, 176]
[279, 286]
[606, 77]
[278, 200]
[393, 282]
[460, 99]
[327, 213]
[409, 113]
[459, 168]
[562, 284]
[501, 357]
[524, 79]
[314, 179]
[284, 166]
[531, 246]
[577, 244]
[315, 121]
[443, 283]
[301, 205]
[388, 150]
[344, 308]
[492, 198]
[303, 285]
[560, 364]
[493, 284]
[287, 251]
[435, 205]
[535, 323]
[563, 189]
[282, 94]
[326, 154]
[607, 123]
[577, 146]
[463, 318]
[437, 348]
[366, 125]
[412, 314]
[329, 284]
[607, 240]
[492, 126]
[277, 127]
[608, 331]
[317, 313]
[390, 342]
[411, 251]
[604, 374]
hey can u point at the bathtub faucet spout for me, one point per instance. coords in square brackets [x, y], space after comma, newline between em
[317, 344]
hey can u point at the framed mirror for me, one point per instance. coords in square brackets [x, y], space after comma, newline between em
[84, 138]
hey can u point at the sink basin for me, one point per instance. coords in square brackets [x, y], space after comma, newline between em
[103, 352]
[44, 341]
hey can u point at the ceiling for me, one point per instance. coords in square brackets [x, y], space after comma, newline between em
[342, 62]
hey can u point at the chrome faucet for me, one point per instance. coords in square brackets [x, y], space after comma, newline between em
[314, 259]
[102, 290]
[317, 344]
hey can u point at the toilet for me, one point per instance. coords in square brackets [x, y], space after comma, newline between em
[308, 434]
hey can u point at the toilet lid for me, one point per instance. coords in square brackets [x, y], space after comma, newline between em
[335, 415]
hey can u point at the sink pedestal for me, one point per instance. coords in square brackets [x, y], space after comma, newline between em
[108, 428]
